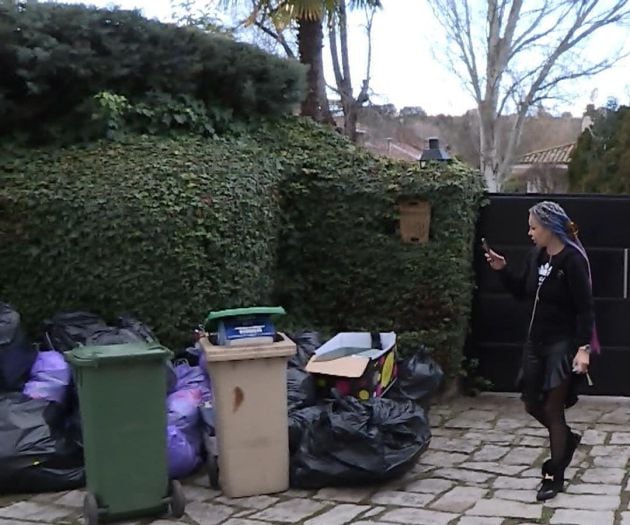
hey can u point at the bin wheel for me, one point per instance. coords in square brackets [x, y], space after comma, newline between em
[213, 472]
[90, 510]
[178, 500]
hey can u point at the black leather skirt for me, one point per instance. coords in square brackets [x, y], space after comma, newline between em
[547, 366]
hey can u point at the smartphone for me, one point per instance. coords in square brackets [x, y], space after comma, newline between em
[484, 245]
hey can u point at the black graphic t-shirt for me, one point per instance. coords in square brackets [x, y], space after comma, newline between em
[565, 306]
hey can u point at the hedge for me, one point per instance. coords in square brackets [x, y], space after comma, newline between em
[55, 58]
[291, 214]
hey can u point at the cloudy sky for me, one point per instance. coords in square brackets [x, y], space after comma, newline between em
[408, 68]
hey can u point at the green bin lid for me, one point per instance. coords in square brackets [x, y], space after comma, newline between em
[244, 312]
[96, 355]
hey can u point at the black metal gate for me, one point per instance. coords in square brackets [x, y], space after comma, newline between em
[499, 321]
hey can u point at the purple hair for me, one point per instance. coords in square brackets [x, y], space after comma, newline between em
[553, 217]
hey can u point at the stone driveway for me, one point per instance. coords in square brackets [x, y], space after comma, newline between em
[482, 469]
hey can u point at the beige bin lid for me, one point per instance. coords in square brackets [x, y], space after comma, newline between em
[214, 353]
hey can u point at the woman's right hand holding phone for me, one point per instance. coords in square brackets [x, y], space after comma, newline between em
[496, 261]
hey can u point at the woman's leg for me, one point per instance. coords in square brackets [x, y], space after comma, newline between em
[537, 412]
[553, 415]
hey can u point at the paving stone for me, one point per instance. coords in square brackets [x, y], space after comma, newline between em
[475, 520]
[208, 513]
[582, 517]
[490, 436]
[459, 499]
[593, 437]
[526, 496]
[490, 453]
[625, 518]
[253, 502]
[339, 515]
[493, 467]
[508, 424]
[10, 521]
[608, 450]
[619, 416]
[370, 522]
[403, 499]
[374, 511]
[443, 459]
[416, 516]
[292, 511]
[506, 508]
[72, 499]
[469, 421]
[533, 441]
[461, 475]
[611, 461]
[197, 493]
[620, 438]
[584, 502]
[26, 510]
[592, 488]
[453, 445]
[430, 485]
[527, 483]
[239, 521]
[612, 476]
[522, 456]
[533, 431]
[347, 495]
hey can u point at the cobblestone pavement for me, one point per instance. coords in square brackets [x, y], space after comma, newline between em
[482, 468]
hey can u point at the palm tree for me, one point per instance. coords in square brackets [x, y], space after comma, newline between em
[309, 16]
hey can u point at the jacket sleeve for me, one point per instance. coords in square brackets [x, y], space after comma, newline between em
[581, 297]
[515, 280]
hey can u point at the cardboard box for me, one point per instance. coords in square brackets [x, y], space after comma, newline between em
[349, 364]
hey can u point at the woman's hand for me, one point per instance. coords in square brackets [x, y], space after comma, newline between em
[581, 361]
[496, 261]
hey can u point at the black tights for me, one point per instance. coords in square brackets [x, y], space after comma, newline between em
[550, 414]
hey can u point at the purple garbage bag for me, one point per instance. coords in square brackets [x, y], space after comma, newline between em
[183, 456]
[193, 377]
[183, 408]
[50, 377]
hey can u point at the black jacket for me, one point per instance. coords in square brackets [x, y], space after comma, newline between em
[565, 306]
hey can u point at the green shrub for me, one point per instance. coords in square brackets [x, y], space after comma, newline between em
[291, 214]
[55, 58]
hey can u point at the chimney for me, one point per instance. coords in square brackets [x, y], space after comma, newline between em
[434, 152]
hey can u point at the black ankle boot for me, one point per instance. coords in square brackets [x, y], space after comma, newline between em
[551, 485]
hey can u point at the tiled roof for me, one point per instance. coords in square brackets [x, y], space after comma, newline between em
[555, 155]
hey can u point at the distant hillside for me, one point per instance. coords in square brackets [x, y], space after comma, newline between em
[460, 134]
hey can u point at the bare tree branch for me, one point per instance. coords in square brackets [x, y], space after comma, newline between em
[526, 54]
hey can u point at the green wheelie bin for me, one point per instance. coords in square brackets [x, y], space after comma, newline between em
[122, 400]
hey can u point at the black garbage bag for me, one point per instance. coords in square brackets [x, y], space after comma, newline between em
[307, 343]
[352, 442]
[67, 330]
[17, 355]
[419, 378]
[300, 384]
[36, 452]
[301, 390]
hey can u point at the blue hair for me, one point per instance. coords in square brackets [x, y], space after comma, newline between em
[552, 216]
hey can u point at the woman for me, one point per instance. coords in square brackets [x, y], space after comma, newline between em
[561, 334]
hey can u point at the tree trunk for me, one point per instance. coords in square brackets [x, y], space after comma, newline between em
[489, 161]
[310, 42]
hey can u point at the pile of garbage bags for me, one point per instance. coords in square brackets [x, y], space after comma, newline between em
[344, 441]
[40, 432]
[335, 441]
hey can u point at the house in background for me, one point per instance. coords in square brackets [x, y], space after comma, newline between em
[544, 171]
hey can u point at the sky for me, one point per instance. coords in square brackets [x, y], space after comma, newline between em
[409, 69]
